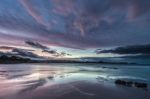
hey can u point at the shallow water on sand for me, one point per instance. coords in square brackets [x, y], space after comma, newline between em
[22, 78]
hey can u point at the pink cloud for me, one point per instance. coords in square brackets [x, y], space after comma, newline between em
[34, 13]
[64, 7]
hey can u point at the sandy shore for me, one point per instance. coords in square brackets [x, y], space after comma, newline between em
[69, 82]
[81, 90]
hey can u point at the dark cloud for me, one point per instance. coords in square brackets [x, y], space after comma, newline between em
[56, 53]
[133, 50]
[79, 24]
[19, 52]
[41, 47]
[29, 52]
[46, 49]
[24, 53]
[64, 54]
[12, 48]
[7, 53]
[36, 45]
[50, 51]
[6, 48]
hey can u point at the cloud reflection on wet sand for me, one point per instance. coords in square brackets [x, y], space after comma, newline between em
[58, 82]
[20, 81]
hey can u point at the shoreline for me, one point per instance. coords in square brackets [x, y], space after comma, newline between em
[83, 90]
[71, 82]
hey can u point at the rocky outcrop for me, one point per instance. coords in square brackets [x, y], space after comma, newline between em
[131, 84]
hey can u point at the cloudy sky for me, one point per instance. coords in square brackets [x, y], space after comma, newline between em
[75, 28]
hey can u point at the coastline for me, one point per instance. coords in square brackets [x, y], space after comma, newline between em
[83, 90]
[71, 81]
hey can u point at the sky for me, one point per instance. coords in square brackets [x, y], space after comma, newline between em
[75, 28]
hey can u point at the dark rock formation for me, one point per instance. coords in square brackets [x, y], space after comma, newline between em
[131, 84]
[140, 85]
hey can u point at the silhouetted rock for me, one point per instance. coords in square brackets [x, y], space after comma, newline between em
[140, 85]
[131, 84]
[120, 82]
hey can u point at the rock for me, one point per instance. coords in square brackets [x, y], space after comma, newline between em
[140, 85]
[120, 82]
[131, 84]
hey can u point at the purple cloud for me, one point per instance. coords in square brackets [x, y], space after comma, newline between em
[36, 45]
[80, 24]
[46, 49]
[33, 12]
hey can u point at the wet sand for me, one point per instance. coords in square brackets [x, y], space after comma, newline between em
[81, 90]
[66, 82]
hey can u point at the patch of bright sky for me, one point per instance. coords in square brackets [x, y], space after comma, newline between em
[77, 53]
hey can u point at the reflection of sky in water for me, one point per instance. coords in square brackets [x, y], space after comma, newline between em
[28, 77]
[16, 78]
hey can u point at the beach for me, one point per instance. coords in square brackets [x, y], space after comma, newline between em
[67, 81]
[82, 90]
